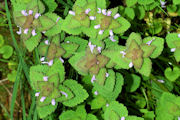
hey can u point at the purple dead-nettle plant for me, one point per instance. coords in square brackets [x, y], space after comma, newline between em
[93, 79]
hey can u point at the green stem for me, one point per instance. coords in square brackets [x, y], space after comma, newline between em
[167, 60]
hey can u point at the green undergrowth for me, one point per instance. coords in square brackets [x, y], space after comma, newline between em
[92, 59]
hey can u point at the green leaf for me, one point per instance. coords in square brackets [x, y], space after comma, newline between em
[177, 54]
[70, 49]
[124, 25]
[133, 118]
[56, 29]
[81, 3]
[101, 4]
[133, 82]
[33, 42]
[78, 64]
[12, 76]
[134, 36]
[98, 102]
[145, 2]
[69, 115]
[91, 117]
[146, 67]
[79, 93]
[46, 110]
[67, 26]
[129, 12]
[170, 38]
[6, 51]
[158, 42]
[46, 23]
[81, 42]
[51, 5]
[168, 107]
[118, 110]
[106, 92]
[172, 75]
[176, 2]
[57, 67]
[140, 11]
[116, 57]
[131, 3]
[147, 49]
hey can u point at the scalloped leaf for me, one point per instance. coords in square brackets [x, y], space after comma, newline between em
[106, 92]
[46, 23]
[115, 110]
[79, 92]
[46, 110]
[116, 57]
[131, 3]
[70, 49]
[172, 75]
[146, 67]
[145, 2]
[168, 107]
[81, 42]
[133, 82]
[134, 36]
[134, 118]
[33, 42]
[170, 38]
[56, 29]
[51, 5]
[177, 54]
[158, 42]
[125, 25]
[98, 102]
[101, 4]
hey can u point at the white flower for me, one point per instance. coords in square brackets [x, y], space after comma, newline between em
[109, 13]
[23, 12]
[87, 11]
[112, 38]
[93, 79]
[45, 78]
[163, 4]
[57, 19]
[66, 95]
[99, 10]
[96, 92]
[61, 60]
[46, 42]
[37, 15]
[33, 32]
[91, 46]
[117, 15]
[173, 49]
[53, 102]
[122, 118]
[107, 74]
[99, 49]
[37, 94]
[30, 12]
[42, 99]
[50, 63]
[42, 59]
[107, 105]
[123, 53]
[97, 26]
[20, 31]
[161, 81]
[111, 32]
[92, 17]
[26, 31]
[101, 32]
[130, 64]
[72, 13]
[104, 12]
[179, 35]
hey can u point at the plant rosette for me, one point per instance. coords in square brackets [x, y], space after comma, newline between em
[89, 61]
[51, 88]
[137, 53]
[32, 22]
